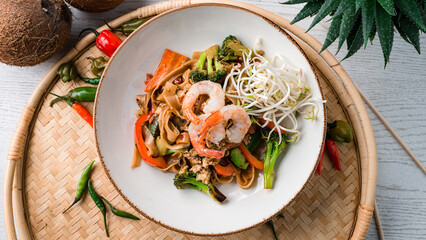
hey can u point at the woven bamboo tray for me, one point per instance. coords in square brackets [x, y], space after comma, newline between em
[52, 145]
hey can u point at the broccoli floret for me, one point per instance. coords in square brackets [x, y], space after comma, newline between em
[209, 67]
[187, 180]
[231, 49]
[199, 74]
[273, 148]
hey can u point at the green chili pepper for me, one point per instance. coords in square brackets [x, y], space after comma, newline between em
[128, 27]
[99, 204]
[254, 141]
[67, 71]
[82, 184]
[153, 127]
[238, 158]
[271, 224]
[81, 94]
[340, 131]
[98, 65]
[119, 212]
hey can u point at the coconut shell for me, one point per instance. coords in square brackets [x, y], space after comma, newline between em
[31, 31]
[94, 5]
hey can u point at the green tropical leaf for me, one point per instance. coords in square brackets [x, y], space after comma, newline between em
[311, 8]
[297, 1]
[388, 6]
[385, 31]
[348, 22]
[345, 5]
[408, 31]
[367, 11]
[328, 7]
[333, 33]
[359, 3]
[356, 42]
[373, 32]
[353, 32]
[409, 8]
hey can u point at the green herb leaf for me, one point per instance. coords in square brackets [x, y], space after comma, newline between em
[271, 225]
[368, 11]
[388, 6]
[348, 22]
[408, 31]
[310, 9]
[356, 43]
[359, 3]
[409, 8]
[297, 1]
[328, 7]
[385, 30]
[333, 33]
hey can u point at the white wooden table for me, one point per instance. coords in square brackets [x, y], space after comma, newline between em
[398, 92]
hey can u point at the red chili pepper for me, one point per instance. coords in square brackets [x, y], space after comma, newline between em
[270, 125]
[106, 41]
[333, 152]
[250, 158]
[320, 162]
[225, 171]
[78, 108]
[153, 161]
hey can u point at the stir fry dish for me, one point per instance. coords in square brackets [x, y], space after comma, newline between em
[225, 114]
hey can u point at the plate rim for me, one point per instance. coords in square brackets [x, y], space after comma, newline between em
[282, 31]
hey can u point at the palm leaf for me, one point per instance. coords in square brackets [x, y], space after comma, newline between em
[388, 6]
[311, 8]
[297, 1]
[359, 3]
[408, 31]
[409, 8]
[348, 22]
[367, 11]
[345, 5]
[328, 7]
[385, 31]
[373, 32]
[356, 43]
[333, 32]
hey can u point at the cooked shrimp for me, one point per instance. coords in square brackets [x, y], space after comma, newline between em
[199, 146]
[240, 123]
[216, 99]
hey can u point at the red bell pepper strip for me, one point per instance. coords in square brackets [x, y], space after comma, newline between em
[169, 62]
[106, 41]
[78, 108]
[250, 158]
[333, 152]
[270, 125]
[320, 162]
[225, 171]
[143, 152]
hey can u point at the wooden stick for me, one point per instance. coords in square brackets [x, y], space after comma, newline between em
[378, 222]
[390, 129]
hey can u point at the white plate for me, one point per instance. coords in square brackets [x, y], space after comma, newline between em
[152, 192]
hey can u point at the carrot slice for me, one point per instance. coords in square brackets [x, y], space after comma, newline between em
[169, 62]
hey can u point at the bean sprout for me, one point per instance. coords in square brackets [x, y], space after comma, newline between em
[275, 94]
